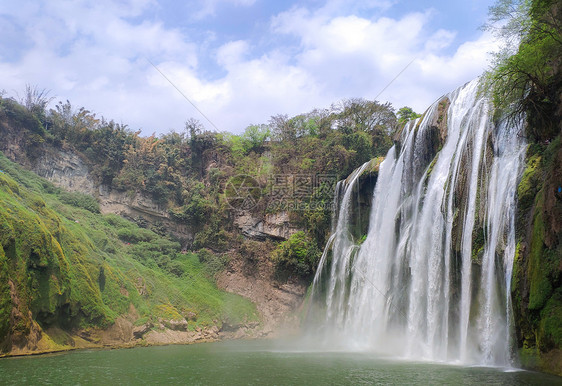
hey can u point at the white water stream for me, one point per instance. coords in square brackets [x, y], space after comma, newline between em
[420, 286]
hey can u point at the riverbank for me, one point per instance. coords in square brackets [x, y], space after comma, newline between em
[88, 339]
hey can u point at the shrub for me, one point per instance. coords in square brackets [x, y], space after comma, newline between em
[135, 235]
[214, 263]
[299, 254]
[175, 268]
[80, 200]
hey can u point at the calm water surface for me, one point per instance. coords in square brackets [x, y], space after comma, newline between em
[245, 363]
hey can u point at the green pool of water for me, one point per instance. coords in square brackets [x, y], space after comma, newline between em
[245, 363]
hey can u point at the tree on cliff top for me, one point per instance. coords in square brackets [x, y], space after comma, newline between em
[405, 114]
[525, 77]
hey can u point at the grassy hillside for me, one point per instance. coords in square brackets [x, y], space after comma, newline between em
[62, 264]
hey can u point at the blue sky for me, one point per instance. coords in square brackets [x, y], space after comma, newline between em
[239, 61]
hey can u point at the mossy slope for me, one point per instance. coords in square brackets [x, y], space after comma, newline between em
[63, 267]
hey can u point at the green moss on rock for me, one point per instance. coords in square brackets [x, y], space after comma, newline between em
[550, 327]
[5, 298]
[540, 286]
[478, 242]
[537, 271]
[167, 311]
[529, 185]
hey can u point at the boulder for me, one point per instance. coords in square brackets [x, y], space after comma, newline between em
[139, 331]
[176, 324]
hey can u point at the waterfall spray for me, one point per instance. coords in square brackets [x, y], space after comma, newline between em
[432, 278]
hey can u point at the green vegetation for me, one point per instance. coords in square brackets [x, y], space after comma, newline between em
[299, 254]
[537, 273]
[405, 114]
[186, 173]
[80, 200]
[529, 183]
[550, 329]
[76, 269]
[525, 80]
[540, 287]
[526, 76]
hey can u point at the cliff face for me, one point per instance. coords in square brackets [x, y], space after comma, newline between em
[270, 226]
[68, 170]
[65, 169]
[71, 278]
[537, 275]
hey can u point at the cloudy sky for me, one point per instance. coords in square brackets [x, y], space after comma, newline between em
[238, 61]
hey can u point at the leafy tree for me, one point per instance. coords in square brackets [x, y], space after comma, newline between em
[510, 21]
[197, 208]
[253, 139]
[299, 254]
[109, 144]
[200, 141]
[525, 77]
[363, 115]
[36, 101]
[406, 114]
[256, 136]
[282, 128]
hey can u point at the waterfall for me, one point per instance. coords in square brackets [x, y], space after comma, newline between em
[432, 278]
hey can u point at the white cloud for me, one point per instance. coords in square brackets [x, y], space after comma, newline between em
[440, 40]
[352, 56]
[89, 53]
[94, 54]
[232, 53]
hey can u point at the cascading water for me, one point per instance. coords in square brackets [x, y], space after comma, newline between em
[432, 278]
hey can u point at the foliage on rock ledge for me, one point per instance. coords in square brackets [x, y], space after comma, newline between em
[297, 254]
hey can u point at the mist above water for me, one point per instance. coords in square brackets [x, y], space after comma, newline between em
[431, 280]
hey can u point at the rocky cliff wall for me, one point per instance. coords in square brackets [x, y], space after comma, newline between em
[537, 273]
[66, 169]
